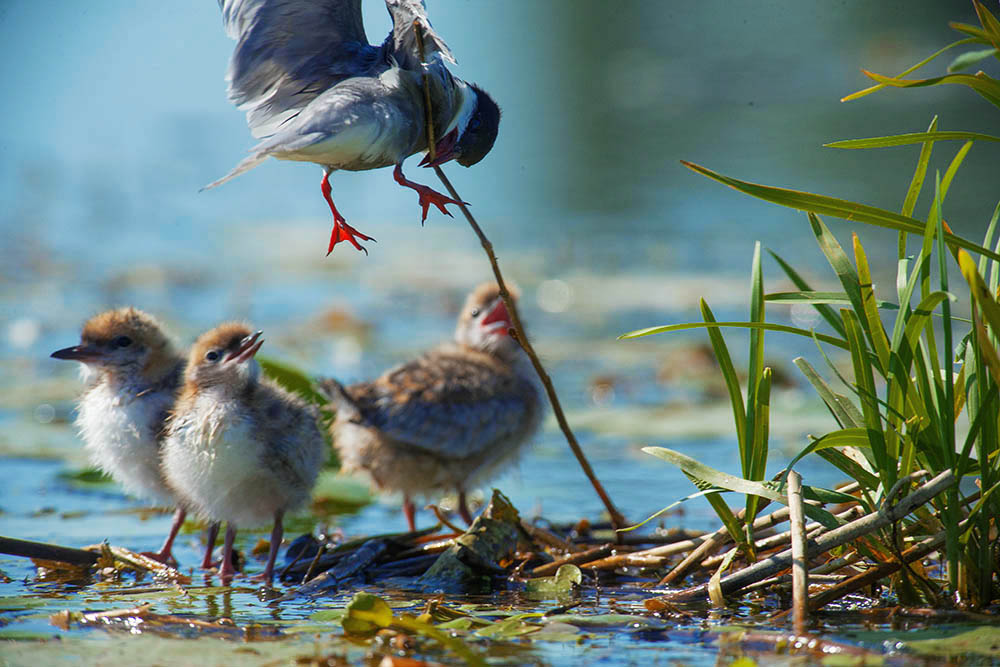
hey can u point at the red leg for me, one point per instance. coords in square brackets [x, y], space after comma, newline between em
[226, 570]
[341, 230]
[210, 535]
[163, 555]
[463, 508]
[409, 511]
[427, 195]
[276, 532]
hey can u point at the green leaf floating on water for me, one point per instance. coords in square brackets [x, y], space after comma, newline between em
[366, 615]
[566, 578]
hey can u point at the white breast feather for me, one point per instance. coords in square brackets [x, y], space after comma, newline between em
[214, 458]
[119, 432]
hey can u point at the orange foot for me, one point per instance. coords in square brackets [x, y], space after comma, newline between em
[341, 230]
[427, 195]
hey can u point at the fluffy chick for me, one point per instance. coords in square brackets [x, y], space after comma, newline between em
[448, 420]
[239, 448]
[132, 373]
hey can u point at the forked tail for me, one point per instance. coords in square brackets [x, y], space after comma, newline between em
[246, 165]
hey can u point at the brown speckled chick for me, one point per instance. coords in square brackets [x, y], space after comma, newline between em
[132, 373]
[239, 448]
[448, 420]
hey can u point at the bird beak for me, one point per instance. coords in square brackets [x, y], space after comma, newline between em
[499, 314]
[82, 353]
[444, 150]
[248, 347]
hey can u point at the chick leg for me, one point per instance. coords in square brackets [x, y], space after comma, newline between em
[276, 533]
[226, 570]
[164, 555]
[409, 511]
[210, 536]
[463, 508]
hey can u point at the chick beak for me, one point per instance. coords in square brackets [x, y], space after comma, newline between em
[82, 353]
[444, 150]
[499, 314]
[248, 347]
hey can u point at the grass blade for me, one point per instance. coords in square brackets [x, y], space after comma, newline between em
[987, 87]
[839, 208]
[768, 326]
[865, 382]
[846, 414]
[970, 58]
[729, 374]
[825, 311]
[911, 138]
[968, 40]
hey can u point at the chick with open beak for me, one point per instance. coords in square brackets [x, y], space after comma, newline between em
[450, 419]
[238, 447]
[132, 373]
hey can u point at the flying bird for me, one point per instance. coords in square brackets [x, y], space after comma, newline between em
[315, 90]
[239, 448]
[448, 420]
[132, 373]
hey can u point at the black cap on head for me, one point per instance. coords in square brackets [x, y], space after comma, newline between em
[481, 132]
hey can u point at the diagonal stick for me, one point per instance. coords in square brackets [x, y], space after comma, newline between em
[617, 520]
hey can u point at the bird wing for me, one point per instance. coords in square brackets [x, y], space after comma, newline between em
[289, 51]
[405, 47]
[449, 406]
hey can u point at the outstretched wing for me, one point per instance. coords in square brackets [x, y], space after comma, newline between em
[405, 48]
[451, 407]
[289, 51]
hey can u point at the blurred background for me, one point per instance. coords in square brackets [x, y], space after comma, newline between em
[116, 115]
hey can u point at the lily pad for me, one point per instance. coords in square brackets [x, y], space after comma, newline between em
[366, 614]
[566, 579]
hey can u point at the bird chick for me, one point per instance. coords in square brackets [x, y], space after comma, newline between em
[132, 374]
[239, 448]
[448, 420]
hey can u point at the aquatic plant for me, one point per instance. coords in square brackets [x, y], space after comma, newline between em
[917, 365]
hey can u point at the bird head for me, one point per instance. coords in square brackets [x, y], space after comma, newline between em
[473, 137]
[485, 322]
[124, 343]
[224, 357]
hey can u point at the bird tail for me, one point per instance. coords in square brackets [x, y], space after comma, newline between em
[340, 400]
[246, 165]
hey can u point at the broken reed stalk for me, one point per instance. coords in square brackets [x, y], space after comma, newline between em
[783, 539]
[696, 558]
[800, 570]
[857, 582]
[617, 520]
[42, 551]
[834, 538]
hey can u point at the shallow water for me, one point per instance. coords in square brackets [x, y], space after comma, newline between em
[122, 116]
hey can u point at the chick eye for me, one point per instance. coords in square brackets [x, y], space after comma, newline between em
[212, 355]
[475, 312]
[122, 341]
[475, 123]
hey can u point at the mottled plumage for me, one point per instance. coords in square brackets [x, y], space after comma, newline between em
[132, 372]
[239, 448]
[448, 420]
[316, 91]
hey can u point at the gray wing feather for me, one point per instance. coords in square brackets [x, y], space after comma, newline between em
[290, 51]
[404, 48]
[447, 406]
